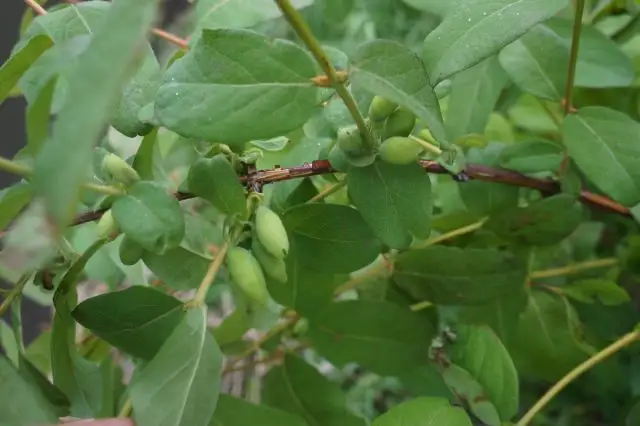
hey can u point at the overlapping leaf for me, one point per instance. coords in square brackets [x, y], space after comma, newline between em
[424, 410]
[232, 411]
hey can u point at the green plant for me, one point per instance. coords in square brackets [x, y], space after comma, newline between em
[441, 194]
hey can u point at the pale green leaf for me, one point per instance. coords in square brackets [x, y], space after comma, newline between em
[424, 411]
[13, 68]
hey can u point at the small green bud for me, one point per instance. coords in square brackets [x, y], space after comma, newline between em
[118, 170]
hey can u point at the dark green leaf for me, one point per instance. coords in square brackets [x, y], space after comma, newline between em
[402, 79]
[12, 200]
[597, 139]
[395, 201]
[238, 412]
[424, 410]
[183, 377]
[20, 402]
[231, 105]
[590, 290]
[532, 156]
[544, 222]
[454, 276]
[479, 351]
[334, 233]
[232, 329]
[215, 180]
[300, 389]
[137, 320]
[19, 62]
[383, 337]
[536, 62]
[177, 268]
[144, 159]
[150, 216]
[483, 83]
[476, 31]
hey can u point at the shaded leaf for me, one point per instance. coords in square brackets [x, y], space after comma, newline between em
[215, 180]
[37, 117]
[177, 268]
[144, 159]
[532, 156]
[591, 290]
[232, 105]
[232, 411]
[54, 396]
[136, 320]
[13, 68]
[183, 377]
[395, 201]
[12, 201]
[424, 410]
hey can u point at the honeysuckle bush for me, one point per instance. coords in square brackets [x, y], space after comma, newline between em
[437, 200]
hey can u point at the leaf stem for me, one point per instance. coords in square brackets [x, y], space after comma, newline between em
[573, 56]
[330, 190]
[432, 149]
[15, 168]
[576, 372]
[209, 277]
[15, 292]
[126, 408]
[451, 234]
[574, 268]
[304, 32]
[171, 38]
[35, 6]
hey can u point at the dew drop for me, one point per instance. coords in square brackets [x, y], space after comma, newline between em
[468, 19]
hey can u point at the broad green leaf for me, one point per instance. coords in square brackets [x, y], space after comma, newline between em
[144, 160]
[63, 163]
[548, 341]
[209, 94]
[483, 83]
[37, 117]
[300, 389]
[536, 62]
[477, 29]
[215, 180]
[177, 268]
[601, 63]
[54, 396]
[21, 403]
[183, 377]
[455, 276]
[602, 290]
[543, 222]
[136, 320]
[336, 235]
[68, 22]
[38, 352]
[597, 139]
[233, 327]
[633, 417]
[13, 68]
[150, 216]
[424, 411]
[307, 290]
[395, 201]
[532, 156]
[383, 337]
[437, 7]
[403, 80]
[12, 200]
[232, 411]
[8, 343]
[478, 350]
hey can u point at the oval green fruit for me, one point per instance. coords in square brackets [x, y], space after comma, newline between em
[272, 266]
[338, 159]
[400, 123]
[129, 251]
[349, 139]
[381, 108]
[271, 233]
[246, 273]
[425, 135]
[119, 170]
[399, 150]
[107, 226]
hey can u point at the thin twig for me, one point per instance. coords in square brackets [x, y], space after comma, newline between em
[171, 38]
[210, 276]
[573, 56]
[330, 190]
[15, 292]
[39, 10]
[574, 268]
[576, 372]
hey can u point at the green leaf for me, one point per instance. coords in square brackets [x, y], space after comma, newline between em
[424, 410]
[483, 83]
[150, 216]
[8, 343]
[55, 397]
[403, 80]
[231, 105]
[395, 201]
[215, 180]
[12, 200]
[597, 139]
[547, 343]
[476, 31]
[143, 161]
[601, 63]
[543, 222]
[532, 156]
[178, 268]
[136, 320]
[64, 161]
[336, 234]
[479, 351]
[183, 377]
[536, 62]
[21, 403]
[436, 7]
[383, 337]
[597, 289]
[238, 412]
[13, 68]
[300, 389]
[231, 330]
[455, 276]
[38, 114]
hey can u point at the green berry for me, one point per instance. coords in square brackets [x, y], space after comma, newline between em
[381, 108]
[399, 150]
[400, 123]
